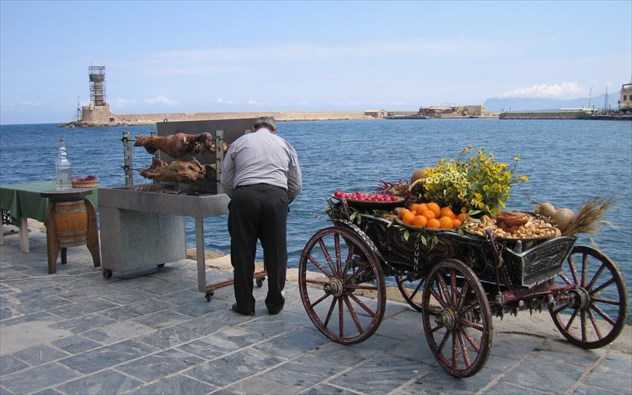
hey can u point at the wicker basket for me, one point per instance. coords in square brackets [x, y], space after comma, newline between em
[85, 184]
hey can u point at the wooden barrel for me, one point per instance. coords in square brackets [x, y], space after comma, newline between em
[71, 222]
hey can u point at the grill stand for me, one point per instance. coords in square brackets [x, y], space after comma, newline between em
[141, 229]
[143, 226]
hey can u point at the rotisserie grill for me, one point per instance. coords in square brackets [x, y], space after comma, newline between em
[143, 225]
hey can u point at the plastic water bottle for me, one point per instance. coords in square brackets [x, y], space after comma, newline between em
[64, 172]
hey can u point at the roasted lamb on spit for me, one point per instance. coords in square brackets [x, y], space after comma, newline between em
[178, 171]
[177, 145]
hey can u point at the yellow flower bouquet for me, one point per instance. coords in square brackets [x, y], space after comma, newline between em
[472, 181]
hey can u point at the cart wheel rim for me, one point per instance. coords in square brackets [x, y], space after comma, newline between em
[460, 336]
[341, 285]
[411, 288]
[581, 311]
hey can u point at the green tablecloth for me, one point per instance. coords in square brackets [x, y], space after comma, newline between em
[25, 201]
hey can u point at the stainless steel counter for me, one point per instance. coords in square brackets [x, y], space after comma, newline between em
[118, 208]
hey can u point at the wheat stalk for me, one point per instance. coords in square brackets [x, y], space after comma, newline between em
[589, 216]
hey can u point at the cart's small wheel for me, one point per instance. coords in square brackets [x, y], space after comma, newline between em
[590, 299]
[259, 282]
[161, 265]
[209, 296]
[460, 334]
[341, 285]
[107, 274]
[410, 286]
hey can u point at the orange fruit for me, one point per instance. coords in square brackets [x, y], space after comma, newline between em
[423, 207]
[429, 214]
[456, 223]
[408, 218]
[420, 221]
[435, 208]
[462, 217]
[415, 208]
[433, 224]
[445, 222]
[402, 212]
[446, 212]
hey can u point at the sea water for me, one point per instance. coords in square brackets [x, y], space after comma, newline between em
[567, 161]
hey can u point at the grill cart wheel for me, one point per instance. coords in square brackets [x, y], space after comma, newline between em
[342, 285]
[581, 313]
[411, 286]
[107, 274]
[457, 319]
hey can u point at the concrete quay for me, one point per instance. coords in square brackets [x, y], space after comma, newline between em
[74, 332]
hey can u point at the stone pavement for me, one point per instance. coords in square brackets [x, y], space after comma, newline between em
[74, 332]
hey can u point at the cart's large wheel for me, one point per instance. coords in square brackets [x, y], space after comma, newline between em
[410, 286]
[590, 299]
[341, 285]
[460, 334]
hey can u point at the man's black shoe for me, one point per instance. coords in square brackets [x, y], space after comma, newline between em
[235, 308]
[278, 309]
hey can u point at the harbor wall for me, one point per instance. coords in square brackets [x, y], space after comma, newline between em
[103, 116]
[544, 115]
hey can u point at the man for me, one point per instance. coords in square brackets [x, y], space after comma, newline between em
[262, 176]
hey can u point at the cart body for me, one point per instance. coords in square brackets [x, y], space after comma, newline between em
[457, 281]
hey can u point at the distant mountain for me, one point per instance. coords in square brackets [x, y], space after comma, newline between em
[517, 104]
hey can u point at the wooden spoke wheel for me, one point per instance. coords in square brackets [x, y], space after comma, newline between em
[411, 287]
[456, 318]
[341, 285]
[590, 299]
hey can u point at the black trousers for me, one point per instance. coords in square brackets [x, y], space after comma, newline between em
[258, 212]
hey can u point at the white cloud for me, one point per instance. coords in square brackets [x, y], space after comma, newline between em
[561, 90]
[27, 103]
[219, 60]
[120, 102]
[161, 100]
[222, 101]
[254, 102]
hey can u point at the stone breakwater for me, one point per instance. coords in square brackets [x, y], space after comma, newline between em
[99, 118]
[565, 115]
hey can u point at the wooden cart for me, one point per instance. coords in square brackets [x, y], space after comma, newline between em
[457, 281]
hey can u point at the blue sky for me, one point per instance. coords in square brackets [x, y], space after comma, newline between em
[206, 56]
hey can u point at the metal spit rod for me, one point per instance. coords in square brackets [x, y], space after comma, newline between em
[127, 160]
[219, 158]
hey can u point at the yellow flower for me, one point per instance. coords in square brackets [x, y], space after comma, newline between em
[474, 180]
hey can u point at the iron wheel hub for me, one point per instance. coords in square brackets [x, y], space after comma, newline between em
[447, 318]
[335, 287]
[581, 298]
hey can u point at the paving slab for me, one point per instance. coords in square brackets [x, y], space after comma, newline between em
[74, 332]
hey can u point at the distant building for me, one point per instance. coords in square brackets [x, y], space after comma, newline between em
[453, 111]
[376, 113]
[625, 98]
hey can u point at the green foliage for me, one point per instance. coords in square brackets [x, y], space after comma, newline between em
[428, 239]
[473, 180]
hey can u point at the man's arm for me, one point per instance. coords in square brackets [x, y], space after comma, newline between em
[295, 178]
[227, 175]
